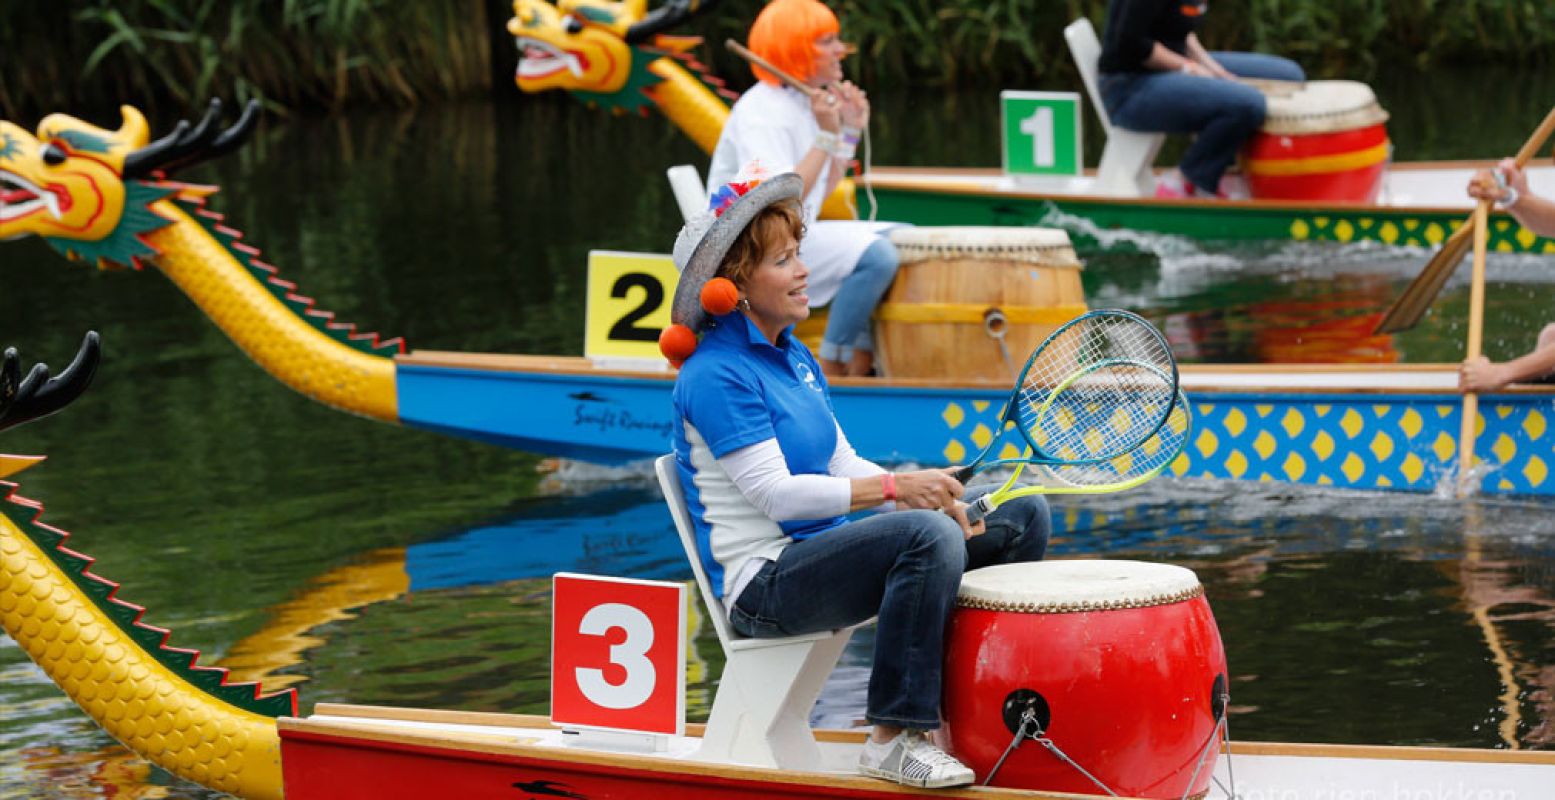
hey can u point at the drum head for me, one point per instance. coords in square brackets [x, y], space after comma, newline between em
[1323, 107]
[1045, 246]
[1063, 587]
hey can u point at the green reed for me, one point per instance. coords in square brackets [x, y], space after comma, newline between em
[321, 53]
[333, 53]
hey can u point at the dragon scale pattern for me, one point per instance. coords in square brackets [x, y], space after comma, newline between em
[131, 693]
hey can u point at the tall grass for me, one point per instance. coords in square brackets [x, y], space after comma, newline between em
[332, 53]
[328, 53]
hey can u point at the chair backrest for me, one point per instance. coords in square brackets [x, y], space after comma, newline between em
[1086, 50]
[690, 195]
[675, 498]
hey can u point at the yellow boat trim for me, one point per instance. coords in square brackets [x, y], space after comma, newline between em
[1315, 165]
[973, 314]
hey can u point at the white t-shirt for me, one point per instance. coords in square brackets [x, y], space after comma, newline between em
[773, 125]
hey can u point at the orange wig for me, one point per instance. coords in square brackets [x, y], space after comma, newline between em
[785, 32]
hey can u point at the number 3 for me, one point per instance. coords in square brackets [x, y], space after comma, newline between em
[630, 654]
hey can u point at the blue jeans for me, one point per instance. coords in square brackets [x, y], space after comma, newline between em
[903, 566]
[847, 321]
[1222, 113]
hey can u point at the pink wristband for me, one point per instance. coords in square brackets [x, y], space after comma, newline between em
[888, 486]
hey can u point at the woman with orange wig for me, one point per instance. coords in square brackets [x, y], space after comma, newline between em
[851, 263]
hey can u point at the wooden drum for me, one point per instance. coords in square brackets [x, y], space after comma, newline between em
[973, 302]
[1326, 141]
[1119, 661]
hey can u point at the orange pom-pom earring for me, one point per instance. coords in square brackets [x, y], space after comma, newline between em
[719, 296]
[677, 343]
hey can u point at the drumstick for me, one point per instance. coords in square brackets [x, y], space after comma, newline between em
[744, 52]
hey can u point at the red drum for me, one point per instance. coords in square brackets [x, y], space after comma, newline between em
[1120, 661]
[1324, 142]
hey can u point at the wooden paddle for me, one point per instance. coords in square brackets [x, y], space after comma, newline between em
[1480, 225]
[1410, 306]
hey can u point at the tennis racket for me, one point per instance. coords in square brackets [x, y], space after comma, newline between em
[1133, 468]
[1096, 388]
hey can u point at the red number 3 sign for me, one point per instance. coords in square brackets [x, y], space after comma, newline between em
[618, 655]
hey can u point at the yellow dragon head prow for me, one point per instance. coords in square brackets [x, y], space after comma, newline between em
[88, 190]
[598, 49]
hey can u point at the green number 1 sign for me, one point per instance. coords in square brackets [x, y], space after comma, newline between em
[1041, 133]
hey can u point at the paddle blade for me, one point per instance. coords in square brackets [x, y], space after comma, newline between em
[1411, 305]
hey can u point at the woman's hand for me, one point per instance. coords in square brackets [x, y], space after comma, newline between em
[1484, 186]
[1480, 375]
[957, 512]
[1196, 69]
[826, 105]
[928, 488]
[854, 104]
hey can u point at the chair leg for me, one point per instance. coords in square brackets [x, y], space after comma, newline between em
[761, 714]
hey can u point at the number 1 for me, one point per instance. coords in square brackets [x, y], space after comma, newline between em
[1039, 126]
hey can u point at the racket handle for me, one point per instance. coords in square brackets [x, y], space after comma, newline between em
[964, 474]
[981, 507]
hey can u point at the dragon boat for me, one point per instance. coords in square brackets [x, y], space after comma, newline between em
[233, 738]
[104, 197]
[601, 52]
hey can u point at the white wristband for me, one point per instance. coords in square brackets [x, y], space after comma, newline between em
[1510, 198]
[825, 141]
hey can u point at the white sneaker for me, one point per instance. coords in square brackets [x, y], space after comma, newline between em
[912, 760]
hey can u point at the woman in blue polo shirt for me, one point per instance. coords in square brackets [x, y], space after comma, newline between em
[1156, 76]
[770, 477]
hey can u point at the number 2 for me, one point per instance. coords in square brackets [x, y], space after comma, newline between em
[630, 654]
[626, 328]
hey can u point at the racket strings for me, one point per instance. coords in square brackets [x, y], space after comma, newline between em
[1096, 390]
[1151, 457]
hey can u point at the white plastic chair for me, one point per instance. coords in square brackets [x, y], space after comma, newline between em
[761, 713]
[686, 183]
[1128, 155]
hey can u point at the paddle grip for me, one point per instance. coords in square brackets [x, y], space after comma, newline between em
[963, 475]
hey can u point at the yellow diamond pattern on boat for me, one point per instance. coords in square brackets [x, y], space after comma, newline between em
[955, 452]
[1503, 411]
[1525, 239]
[1323, 445]
[1412, 423]
[1295, 467]
[1534, 425]
[1382, 446]
[1379, 411]
[1236, 422]
[1504, 449]
[1389, 233]
[1207, 443]
[1413, 468]
[1263, 410]
[1535, 471]
[1293, 423]
[1353, 468]
[1434, 234]
[1264, 445]
[953, 415]
[1344, 231]
[1444, 447]
[1180, 465]
[980, 405]
[1322, 409]
[1351, 423]
[1445, 411]
[1236, 464]
[1009, 451]
[981, 436]
[1300, 230]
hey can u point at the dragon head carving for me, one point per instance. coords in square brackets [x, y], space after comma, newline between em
[598, 49]
[88, 191]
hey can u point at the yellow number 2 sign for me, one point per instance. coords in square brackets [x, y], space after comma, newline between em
[629, 297]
